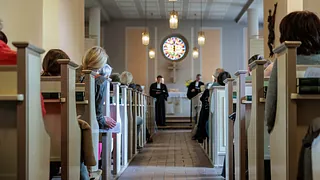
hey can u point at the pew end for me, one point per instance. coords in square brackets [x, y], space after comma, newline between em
[24, 152]
[62, 124]
[295, 112]
[86, 108]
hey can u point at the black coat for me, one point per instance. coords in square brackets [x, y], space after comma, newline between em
[192, 85]
[163, 91]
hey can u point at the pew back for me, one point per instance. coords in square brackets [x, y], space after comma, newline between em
[61, 121]
[87, 110]
[24, 143]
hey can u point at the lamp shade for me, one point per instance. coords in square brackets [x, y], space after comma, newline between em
[152, 53]
[195, 53]
[173, 20]
[145, 38]
[201, 38]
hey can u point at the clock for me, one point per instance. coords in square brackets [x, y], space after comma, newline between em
[174, 47]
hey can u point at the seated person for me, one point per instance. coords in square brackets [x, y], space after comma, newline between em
[126, 78]
[106, 71]
[308, 53]
[215, 76]
[95, 59]
[51, 67]
[202, 132]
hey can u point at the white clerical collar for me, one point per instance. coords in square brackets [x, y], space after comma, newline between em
[197, 83]
[158, 85]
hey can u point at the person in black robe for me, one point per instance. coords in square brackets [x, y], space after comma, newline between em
[159, 91]
[194, 87]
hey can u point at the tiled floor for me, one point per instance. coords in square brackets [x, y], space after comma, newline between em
[172, 155]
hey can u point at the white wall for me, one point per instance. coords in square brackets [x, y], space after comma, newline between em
[47, 24]
[232, 47]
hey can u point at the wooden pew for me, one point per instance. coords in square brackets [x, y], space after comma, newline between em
[124, 128]
[61, 120]
[217, 126]
[139, 113]
[257, 142]
[295, 112]
[145, 112]
[134, 123]
[240, 128]
[24, 142]
[87, 110]
[115, 114]
[106, 138]
[130, 123]
[229, 83]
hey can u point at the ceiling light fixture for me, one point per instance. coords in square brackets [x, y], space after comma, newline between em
[152, 53]
[195, 53]
[174, 19]
[201, 35]
[145, 33]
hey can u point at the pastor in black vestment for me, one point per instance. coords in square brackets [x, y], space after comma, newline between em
[159, 91]
[194, 87]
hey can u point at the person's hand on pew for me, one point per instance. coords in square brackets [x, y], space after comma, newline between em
[111, 123]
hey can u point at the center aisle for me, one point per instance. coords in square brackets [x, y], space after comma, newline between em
[172, 155]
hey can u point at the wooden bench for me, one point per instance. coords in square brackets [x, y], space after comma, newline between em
[134, 123]
[125, 128]
[217, 126]
[61, 120]
[295, 113]
[87, 109]
[229, 101]
[242, 88]
[130, 124]
[115, 114]
[24, 142]
[106, 138]
[257, 142]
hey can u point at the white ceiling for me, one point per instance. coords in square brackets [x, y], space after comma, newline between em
[187, 9]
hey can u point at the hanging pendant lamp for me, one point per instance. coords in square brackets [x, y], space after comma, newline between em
[174, 19]
[195, 53]
[152, 53]
[145, 34]
[201, 35]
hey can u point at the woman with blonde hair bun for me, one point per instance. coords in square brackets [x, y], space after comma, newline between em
[95, 59]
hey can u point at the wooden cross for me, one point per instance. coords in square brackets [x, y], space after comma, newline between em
[173, 67]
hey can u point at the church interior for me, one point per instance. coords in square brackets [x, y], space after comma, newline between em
[159, 89]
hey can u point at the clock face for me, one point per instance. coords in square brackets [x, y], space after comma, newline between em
[175, 48]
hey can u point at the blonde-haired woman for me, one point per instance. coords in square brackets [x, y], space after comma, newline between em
[95, 59]
[126, 78]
